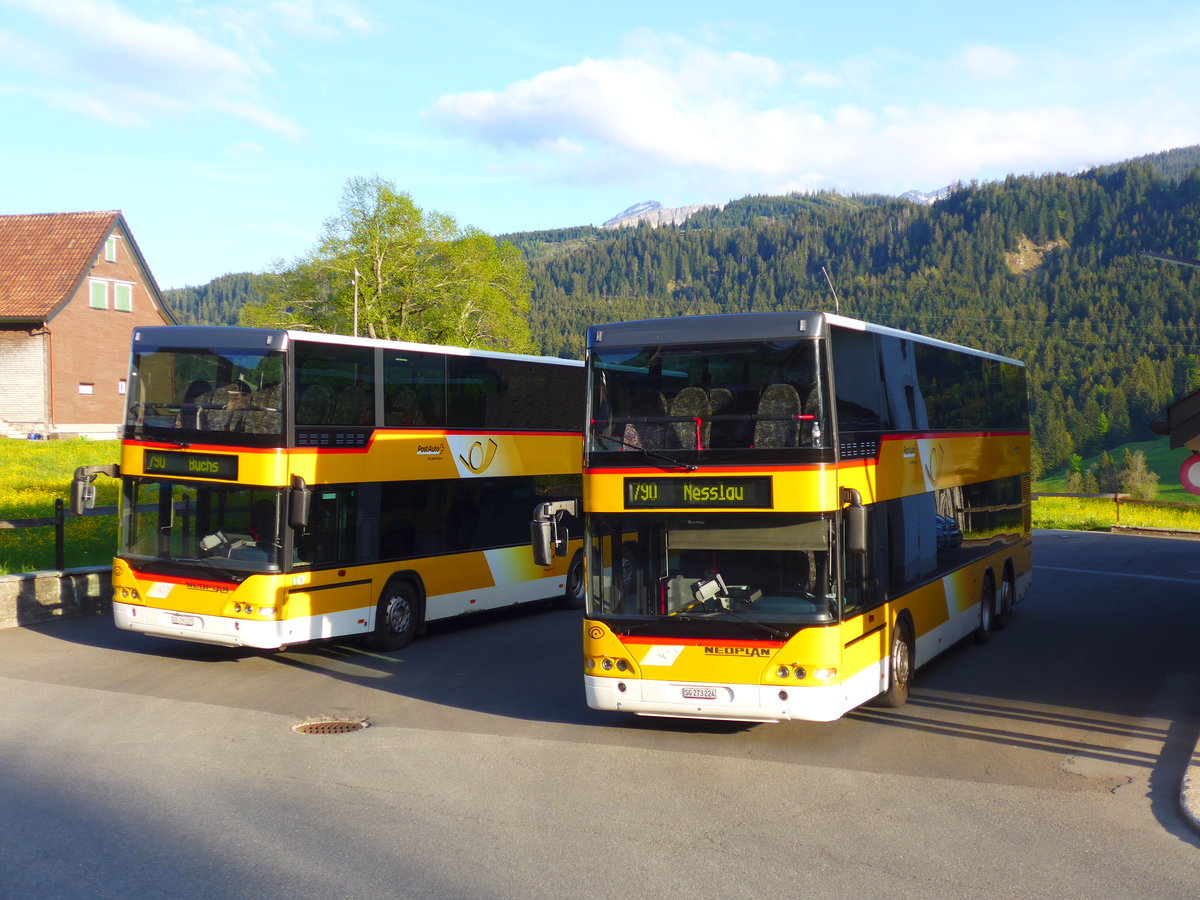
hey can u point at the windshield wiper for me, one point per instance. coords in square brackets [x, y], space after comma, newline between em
[170, 566]
[654, 454]
[774, 632]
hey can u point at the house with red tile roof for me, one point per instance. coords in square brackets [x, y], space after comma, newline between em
[72, 288]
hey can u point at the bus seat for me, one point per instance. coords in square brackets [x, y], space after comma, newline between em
[778, 427]
[693, 403]
[219, 408]
[264, 412]
[314, 405]
[351, 407]
[720, 400]
[647, 429]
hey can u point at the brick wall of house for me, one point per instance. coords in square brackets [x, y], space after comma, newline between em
[90, 346]
[22, 379]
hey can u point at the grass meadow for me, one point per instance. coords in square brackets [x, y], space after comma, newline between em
[35, 473]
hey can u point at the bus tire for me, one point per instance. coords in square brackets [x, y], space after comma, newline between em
[987, 610]
[572, 597]
[900, 667]
[396, 617]
[1008, 593]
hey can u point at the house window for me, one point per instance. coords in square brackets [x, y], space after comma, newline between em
[123, 297]
[98, 299]
[110, 248]
[85, 388]
[121, 386]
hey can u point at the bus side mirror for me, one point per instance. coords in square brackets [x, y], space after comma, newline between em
[856, 521]
[300, 503]
[83, 492]
[83, 496]
[548, 535]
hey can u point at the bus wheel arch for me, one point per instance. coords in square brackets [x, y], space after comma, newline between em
[573, 589]
[399, 614]
[901, 662]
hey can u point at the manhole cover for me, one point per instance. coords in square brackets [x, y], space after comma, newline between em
[330, 726]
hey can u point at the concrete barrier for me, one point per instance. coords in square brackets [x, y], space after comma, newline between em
[42, 596]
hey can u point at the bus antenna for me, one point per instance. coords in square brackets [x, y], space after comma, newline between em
[837, 306]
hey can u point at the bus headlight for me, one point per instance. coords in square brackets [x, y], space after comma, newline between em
[828, 673]
[606, 664]
[784, 672]
[267, 612]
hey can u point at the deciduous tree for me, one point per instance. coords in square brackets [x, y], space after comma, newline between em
[405, 274]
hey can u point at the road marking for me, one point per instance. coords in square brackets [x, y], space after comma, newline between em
[1120, 574]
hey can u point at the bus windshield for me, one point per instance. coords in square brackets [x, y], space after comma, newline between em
[195, 392]
[754, 395]
[230, 527]
[772, 569]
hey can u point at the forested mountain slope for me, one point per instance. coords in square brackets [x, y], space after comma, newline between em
[1042, 268]
[1045, 269]
[215, 303]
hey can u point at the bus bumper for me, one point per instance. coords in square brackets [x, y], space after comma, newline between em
[728, 702]
[205, 629]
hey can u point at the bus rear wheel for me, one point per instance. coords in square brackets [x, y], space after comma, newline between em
[899, 668]
[395, 617]
[1008, 594]
[987, 609]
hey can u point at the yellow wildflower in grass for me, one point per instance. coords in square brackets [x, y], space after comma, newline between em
[1076, 514]
[33, 474]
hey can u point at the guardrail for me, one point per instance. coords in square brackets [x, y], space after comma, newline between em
[59, 522]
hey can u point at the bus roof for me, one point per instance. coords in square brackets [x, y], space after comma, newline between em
[751, 326]
[238, 338]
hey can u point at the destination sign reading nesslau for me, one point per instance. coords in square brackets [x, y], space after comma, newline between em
[197, 465]
[698, 493]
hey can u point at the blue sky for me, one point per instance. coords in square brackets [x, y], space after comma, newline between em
[226, 131]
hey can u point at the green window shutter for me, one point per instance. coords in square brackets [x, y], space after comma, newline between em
[99, 295]
[123, 297]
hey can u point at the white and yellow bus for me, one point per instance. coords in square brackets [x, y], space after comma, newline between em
[281, 487]
[786, 513]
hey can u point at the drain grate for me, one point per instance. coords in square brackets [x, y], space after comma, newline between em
[330, 726]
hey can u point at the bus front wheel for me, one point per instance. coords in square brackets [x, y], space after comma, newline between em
[572, 597]
[899, 668]
[395, 617]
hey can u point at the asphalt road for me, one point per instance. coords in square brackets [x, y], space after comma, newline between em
[1046, 763]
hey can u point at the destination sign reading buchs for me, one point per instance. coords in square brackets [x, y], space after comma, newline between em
[698, 493]
[196, 465]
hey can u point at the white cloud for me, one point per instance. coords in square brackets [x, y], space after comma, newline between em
[104, 61]
[989, 62]
[679, 110]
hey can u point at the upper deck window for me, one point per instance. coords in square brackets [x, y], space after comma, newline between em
[206, 394]
[749, 396]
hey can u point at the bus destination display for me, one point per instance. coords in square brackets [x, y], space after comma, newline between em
[698, 493]
[196, 465]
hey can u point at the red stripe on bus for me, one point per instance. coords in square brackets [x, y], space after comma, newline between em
[695, 642]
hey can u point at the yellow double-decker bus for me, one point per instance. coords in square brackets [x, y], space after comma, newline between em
[786, 513]
[281, 487]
